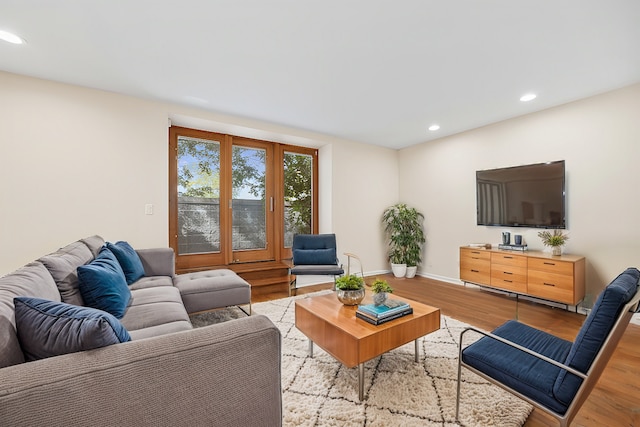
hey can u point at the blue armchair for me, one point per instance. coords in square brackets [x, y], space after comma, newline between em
[553, 374]
[313, 255]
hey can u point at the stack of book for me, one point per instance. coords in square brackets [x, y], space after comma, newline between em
[378, 314]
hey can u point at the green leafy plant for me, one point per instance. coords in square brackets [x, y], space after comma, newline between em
[380, 285]
[553, 239]
[350, 283]
[403, 226]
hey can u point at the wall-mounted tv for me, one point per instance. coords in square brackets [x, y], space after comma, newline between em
[522, 196]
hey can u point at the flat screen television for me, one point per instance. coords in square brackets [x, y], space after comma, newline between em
[522, 196]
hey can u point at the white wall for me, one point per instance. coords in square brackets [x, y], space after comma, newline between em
[365, 182]
[599, 138]
[77, 162]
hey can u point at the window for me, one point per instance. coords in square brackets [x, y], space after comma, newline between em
[235, 199]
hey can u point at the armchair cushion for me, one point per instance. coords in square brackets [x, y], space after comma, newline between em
[314, 256]
[48, 328]
[595, 330]
[520, 371]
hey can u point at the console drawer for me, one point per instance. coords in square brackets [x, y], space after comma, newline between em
[509, 259]
[509, 277]
[551, 266]
[551, 286]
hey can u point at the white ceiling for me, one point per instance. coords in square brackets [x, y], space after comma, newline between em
[375, 71]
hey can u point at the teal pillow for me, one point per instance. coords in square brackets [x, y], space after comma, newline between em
[128, 259]
[48, 328]
[103, 285]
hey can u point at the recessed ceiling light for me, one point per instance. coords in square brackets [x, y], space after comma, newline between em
[10, 37]
[434, 127]
[528, 97]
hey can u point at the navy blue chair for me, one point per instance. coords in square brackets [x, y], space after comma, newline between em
[313, 255]
[553, 374]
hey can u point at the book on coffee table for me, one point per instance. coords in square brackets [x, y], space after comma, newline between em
[380, 320]
[389, 308]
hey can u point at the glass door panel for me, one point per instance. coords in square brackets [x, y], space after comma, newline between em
[252, 204]
[298, 195]
[198, 196]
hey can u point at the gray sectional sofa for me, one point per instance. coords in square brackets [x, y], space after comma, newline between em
[166, 373]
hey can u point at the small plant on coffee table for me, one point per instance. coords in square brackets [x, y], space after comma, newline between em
[350, 289]
[380, 289]
[350, 283]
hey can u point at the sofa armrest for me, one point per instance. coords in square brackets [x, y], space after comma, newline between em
[226, 374]
[158, 261]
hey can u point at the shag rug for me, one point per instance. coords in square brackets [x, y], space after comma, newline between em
[319, 391]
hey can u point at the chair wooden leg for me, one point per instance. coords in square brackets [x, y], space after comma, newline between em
[292, 286]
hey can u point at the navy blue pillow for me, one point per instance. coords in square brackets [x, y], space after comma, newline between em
[103, 285]
[47, 328]
[128, 259]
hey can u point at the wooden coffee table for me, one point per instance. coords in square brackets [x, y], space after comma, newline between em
[352, 341]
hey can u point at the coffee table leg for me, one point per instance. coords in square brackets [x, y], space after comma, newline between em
[310, 348]
[417, 351]
[361, 381]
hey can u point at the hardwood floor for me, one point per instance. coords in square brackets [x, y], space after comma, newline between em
[615, 399]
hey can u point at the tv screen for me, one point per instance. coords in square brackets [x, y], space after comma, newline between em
[522, 196]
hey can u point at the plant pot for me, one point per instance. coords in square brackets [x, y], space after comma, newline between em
[399, 270]
[351, 297]
[556, 250]
[411, 272]
[380, 298]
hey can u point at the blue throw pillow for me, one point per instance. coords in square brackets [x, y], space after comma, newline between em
[48, 328]
[103, 285]
[128, 259]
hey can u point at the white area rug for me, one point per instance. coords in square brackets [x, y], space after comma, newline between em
[319, 391]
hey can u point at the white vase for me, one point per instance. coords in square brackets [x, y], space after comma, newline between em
[399, 270]
[411, 272]
[556, 250]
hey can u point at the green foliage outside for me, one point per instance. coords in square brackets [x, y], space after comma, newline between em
[200, 177]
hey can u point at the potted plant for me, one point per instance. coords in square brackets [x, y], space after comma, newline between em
[403, 226]
[380, 289]
[555, 239]
[350, 289]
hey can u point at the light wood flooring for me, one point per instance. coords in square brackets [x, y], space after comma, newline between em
[616, 399]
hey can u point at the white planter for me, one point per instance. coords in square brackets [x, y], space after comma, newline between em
[399, 270]
[411, 272]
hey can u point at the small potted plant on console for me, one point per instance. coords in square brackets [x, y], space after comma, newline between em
[380, 289]
[556, 240]
[350, 289]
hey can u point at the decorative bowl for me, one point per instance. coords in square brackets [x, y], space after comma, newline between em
[350, 297]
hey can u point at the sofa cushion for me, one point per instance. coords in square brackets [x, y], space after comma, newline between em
[47, 328]
[103, 285]
[128, 259]
[155, 311]
[206, 290]
[31, 280]
[63, 266]
[94, 243]
[595, 330]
